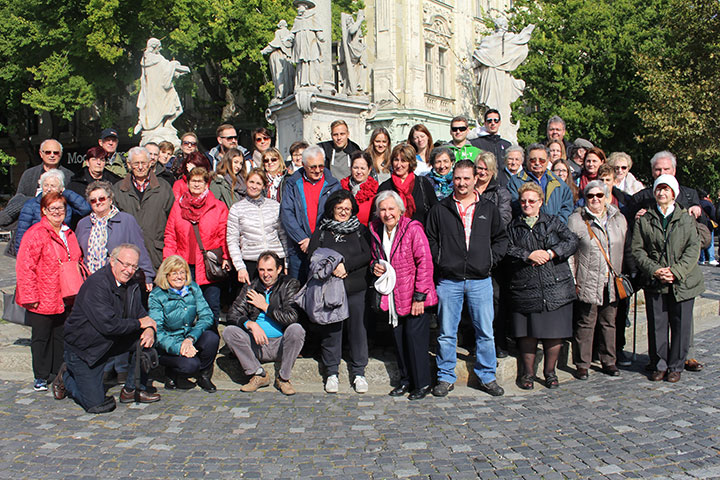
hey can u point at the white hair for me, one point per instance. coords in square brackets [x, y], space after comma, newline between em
[313, 151]
[663, 154]
[135, 151]
[384, 195]
[56, 174]
[596, 184]
[42, 145]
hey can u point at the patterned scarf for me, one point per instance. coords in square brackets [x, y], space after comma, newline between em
[274, 182]
[182, 291]
[192, 208]
[405, 189]
[338, 229]
[97, 253]
[443, 184]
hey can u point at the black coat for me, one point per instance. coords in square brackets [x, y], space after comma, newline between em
[281, 306]
[82, 179]
[549, 286]
[423, 193]
[493, 144]
[355, 249]
[500, 197]
[100, 318]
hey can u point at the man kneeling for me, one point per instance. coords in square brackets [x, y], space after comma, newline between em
[263, 325]
[107, 319]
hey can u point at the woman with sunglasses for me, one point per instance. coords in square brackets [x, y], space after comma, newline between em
[262, 142]
[275, 172]
[601, 229]
[624, 180]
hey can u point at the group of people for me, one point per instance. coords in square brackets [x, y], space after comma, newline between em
[528, 244]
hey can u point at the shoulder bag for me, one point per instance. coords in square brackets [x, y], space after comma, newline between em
[623, 285]
[212, 259]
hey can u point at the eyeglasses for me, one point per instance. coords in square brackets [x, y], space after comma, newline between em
[189, 144]
[230, 137]
[198, 181]
[343, 209]
[527, 201]
[458, 129]
[140, 164]
[590, 196]
[178, 274]
[55, 209]
[51, 152]
[128, 266]
[316, 167]
[621, 167]
[492, 120]
[93, 201]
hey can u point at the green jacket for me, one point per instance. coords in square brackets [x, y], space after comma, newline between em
[223, 191]
[466, 152]
[677, 248]
[118, 165]
[179, 317]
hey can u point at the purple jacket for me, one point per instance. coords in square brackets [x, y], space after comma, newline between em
[411, 259]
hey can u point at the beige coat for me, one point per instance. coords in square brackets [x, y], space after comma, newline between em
[588, 263]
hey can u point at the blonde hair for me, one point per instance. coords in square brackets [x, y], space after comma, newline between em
[488, 158]
[531, 187]
[169, 265]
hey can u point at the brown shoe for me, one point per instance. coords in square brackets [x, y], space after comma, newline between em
[58, 385]
[256, 381]
[581, 373]
[673, 377]
[284, 386]
[693, 365]
[657, 375]
[128, 396]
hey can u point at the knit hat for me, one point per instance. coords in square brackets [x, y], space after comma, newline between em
[668, 180]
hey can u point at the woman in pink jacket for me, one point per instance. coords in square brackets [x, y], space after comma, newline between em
[198, 207]
[401, 243]
[44, 247]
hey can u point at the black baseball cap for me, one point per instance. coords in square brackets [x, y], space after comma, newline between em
[109, 132]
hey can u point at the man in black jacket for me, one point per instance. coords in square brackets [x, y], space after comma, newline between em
[492, 142]
[263, 325]
[107, 319]
[338, 150]
[467, 239]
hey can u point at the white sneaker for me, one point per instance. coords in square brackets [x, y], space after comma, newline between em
[360, 384]
[331, 384]
[714, 263]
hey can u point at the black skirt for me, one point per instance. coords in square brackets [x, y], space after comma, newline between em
[543, 325]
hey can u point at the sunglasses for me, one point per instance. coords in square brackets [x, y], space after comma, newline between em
[51, 152]
[93, 201]
[492, 120]
[191, 144]
[262, 139]
[230, 137]
[458, 129]
[621, 167]
[590, 196]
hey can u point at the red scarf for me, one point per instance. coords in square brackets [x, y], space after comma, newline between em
[192, 208]
[585, 178]
[367, 191]
[405, 189]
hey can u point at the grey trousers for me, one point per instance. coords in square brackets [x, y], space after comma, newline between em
[250, 354]
[665, 315]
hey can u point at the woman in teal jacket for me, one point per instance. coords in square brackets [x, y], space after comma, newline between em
[186, 341]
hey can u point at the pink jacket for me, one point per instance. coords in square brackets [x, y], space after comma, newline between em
[38, 267]
[411, 259]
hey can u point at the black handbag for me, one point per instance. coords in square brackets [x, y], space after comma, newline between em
[212, 259]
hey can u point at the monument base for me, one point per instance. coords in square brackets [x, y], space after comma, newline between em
[160, 134]
[307, 115]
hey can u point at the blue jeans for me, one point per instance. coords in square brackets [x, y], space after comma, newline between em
[708, 254]
[298, 264]
[479, 297]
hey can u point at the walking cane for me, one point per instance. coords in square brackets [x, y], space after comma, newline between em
[634, 325]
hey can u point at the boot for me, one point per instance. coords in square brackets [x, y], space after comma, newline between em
[204, 380]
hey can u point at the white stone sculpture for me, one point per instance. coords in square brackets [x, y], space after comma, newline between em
[351, 55]
[306, 54]
[158, 102]
[498, 55]
[281, 68]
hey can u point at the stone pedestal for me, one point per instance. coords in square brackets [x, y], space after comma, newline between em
[160, 134]
[307, 115]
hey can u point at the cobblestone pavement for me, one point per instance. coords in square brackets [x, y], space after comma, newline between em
[623, 427]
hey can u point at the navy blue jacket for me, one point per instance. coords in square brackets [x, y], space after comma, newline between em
[293, 208]
[31, 213]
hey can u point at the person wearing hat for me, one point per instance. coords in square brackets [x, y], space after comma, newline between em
[666, 246]
[115, 162]
[576, 154]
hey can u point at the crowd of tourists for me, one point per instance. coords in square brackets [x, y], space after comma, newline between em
[325, 244]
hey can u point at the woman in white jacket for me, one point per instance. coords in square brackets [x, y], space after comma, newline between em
[254, 227]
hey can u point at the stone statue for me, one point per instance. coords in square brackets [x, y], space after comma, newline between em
[282, 70]
[306, 54]
[351, 54]
[498, 55]
[158, 102]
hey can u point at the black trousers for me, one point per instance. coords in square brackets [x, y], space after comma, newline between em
[412, 340]
[665, 315]
[331, 339]
[46, 343]
[207, 347]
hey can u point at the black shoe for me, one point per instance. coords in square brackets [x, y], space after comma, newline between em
[492, 388]
[204, 381]
[500, 353]
[420, 393]
[442, 388]
[525, 382]
[399, 391]
[551, 381]
[623, 359]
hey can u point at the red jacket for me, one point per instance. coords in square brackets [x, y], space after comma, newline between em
[180, 237]
[38, 267]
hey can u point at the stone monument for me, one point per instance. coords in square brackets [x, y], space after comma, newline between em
[497, 56]
[158, 102]
[351, 54]
[280, 50]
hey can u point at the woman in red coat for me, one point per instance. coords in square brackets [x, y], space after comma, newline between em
[200, 207]
[44, 247]
[362, 185]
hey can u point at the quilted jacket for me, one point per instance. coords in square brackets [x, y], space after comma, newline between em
[411, 259]
[323, 297]
[31, 213]
[38, 267]
[254, 227]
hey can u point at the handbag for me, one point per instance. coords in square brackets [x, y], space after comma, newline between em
[12, 312]
[72, 276]
[212, 259]
[623, 285]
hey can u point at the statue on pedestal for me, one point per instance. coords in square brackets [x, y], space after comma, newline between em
[351, 55]
[158, 102]
[282, 70]
[306, 54]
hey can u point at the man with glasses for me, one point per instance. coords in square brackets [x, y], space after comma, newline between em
[558, 196]
[114, 161]
[108, 319]
[147, 199]
[491, 140]
[462, 148]
[338, 150]
[227, 138]
[301, 207]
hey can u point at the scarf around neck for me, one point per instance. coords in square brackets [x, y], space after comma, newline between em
[97, 254]
[192, 208]
[443, 184]
[405, 189]
[338, 229]
[361, 191]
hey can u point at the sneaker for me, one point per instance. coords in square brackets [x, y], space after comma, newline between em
[284, 386]
[256, 382]
[40, 385]
[442, 389]
[492, 388]
[360, 384]
[331, 384]
[713, 263]
[623, 359]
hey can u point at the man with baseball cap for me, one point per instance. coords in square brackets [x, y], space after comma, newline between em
[115, 162]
